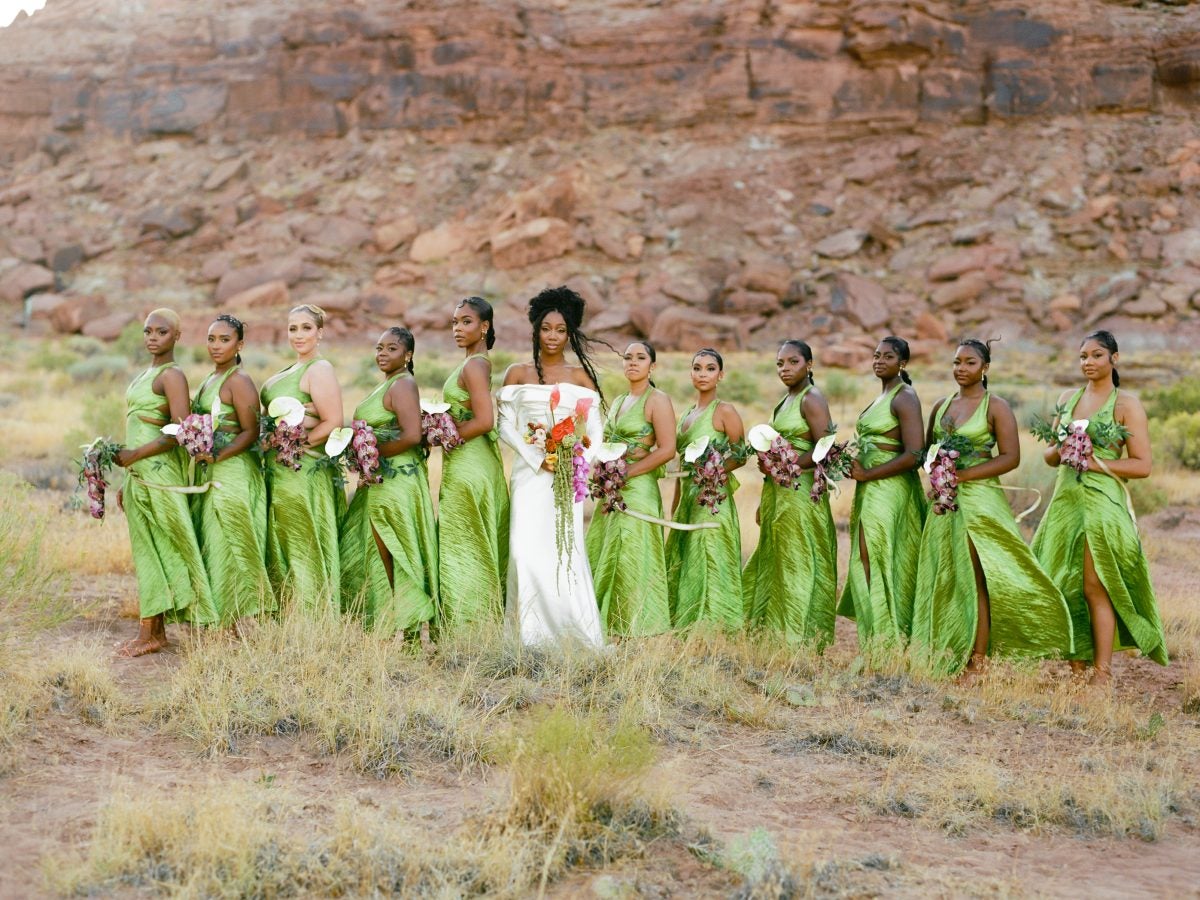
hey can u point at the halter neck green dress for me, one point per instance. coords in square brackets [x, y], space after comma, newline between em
[1028, 614]
[627, 555]
[704, 568]
[231, 520]
[172, 580]
[304, 509]
[1091, 509]
[472, 520]
[889, 514]
[400, 511]
[790, 582]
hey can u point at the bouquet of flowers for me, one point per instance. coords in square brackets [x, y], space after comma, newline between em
[563, 443]
[704, 461]
[282, 430]
[438, 427]
[833, 458]
[777, 456]
[98, 457]
[941, 464]
[608, 477]
[1077, 439]
[196, 434]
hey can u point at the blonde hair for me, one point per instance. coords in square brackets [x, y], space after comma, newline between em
[316, 312]
[169, 314]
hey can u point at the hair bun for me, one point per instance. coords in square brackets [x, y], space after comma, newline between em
[559, 299]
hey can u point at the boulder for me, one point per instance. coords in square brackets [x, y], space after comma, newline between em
[395, 232]
[336, 303]
[109, 326]
[689, 290]
[288, 270]
[772, 276]
[335, 232]
[24, 279]
[960, 293]
[1066, 303]
[586, 288]
[73, 313]
[42, 306]
[970, 259]
[1183, 247]
[438, 243]
[225, 172]
[843, 244]
[930, 327]
[272, 293]
[171, 221]
[751, 303]
[531, 242]
[67, 257]
[679, 328]
[863, 300]
[613, 322]
[27, 247]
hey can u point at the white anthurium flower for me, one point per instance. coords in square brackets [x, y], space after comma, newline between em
[289, 410]
[172, 429]
[610, 452]
[215, 412]
[338, 440]
[695, 449]
[930, 456]
[822, 449]
[761, 437]
[1079, 425]
[428, 406]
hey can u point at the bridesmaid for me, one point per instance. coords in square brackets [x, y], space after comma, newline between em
[473, 501]
[389, 539]
[231, 521]
[980, 591]
[305, 506]
[1088, 541]
[790, 582]
[889, 505]
[627, 555]
[172, 582]
[704, 577]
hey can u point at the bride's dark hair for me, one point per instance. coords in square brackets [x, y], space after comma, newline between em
[570, 306]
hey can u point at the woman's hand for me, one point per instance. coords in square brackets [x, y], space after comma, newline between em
[125, 458]
[857, 472]
[205, 458]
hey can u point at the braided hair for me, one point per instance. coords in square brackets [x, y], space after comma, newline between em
[236, 324]
[1106, 340]
[570, 306]
[900, 345]
[983, 348]
[404, 336]
[484, 310]
[804, 350]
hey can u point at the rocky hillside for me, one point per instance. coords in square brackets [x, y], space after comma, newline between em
[705, 172]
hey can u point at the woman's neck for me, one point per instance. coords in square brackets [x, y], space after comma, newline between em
[222, 368]
[972, 391]
[637, 388]
[1100, 386]
[704, 399]
[307, 357]
[796, 388]
[889, 383]
[477, 348]
[159, 359]
[552, 360]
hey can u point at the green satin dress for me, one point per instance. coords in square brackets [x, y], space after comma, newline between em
[627, 555]
[231, 521]
[171, 577]
[889, 514]
[1092, 510]
[303, 512]
[704, 568]
[790, 582]
[400, 512]
[472, 520]
[1029, 616]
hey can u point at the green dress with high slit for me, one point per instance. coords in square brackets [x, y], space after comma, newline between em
[304, 509]
[627, 555]
[400, 512]
[172, 580]
[231, 520]
[888, 515]
[1091, 509]
[704, 567]
[1028, 614]
[790, 582]
[472, 520]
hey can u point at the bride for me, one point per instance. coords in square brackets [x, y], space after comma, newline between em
[550, 592]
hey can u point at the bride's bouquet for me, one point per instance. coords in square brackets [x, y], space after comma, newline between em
[438, 428]
[282, 430]
[941, 465]
[1077, 440]
[563, 442]
[777, 455]
[832, 458]
[98, 457]
[609, 473]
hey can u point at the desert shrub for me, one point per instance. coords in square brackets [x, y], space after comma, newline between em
[1177, 438]
[33, 583]
[1181, 396]
[104, 367]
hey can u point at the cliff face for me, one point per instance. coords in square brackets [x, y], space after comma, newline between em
[506, 69]
[705, 172]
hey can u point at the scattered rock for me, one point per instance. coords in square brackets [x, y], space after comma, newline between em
[272, 293]
[225, 172]
[288, 270]
[440, 242]
[960, 293]
[929, 327]
[24, 279]
[108, 327]
[41, 306]
[678, 328]
[1066, 303]
[395, 232]
[863, 300]
[1183, 247]
[69, 316]
[334, 232]
[171, 222]
[67, 257]
[751, 303]
[531, 242]
[843, 244]
[336, 303]
[27, 247]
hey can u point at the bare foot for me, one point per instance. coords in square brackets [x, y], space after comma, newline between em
[140, 647]
[975, 668]
[427, 643]
[1100, 678]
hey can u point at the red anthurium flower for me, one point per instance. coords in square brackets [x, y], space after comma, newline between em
[582, 406]
[555, 396]
[562, 429]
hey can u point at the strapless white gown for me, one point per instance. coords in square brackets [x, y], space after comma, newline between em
[549, 600]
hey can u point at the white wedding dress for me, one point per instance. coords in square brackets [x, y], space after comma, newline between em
[549, 599]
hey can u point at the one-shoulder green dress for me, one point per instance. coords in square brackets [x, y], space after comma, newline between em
[1028, 614]
[400, 512]
[1091, 509]
[303, 512]
[889, 514]
[790, 582]
[171, 577]
[704, 567]
[231, 520]
[627, 555]
[472, 520]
